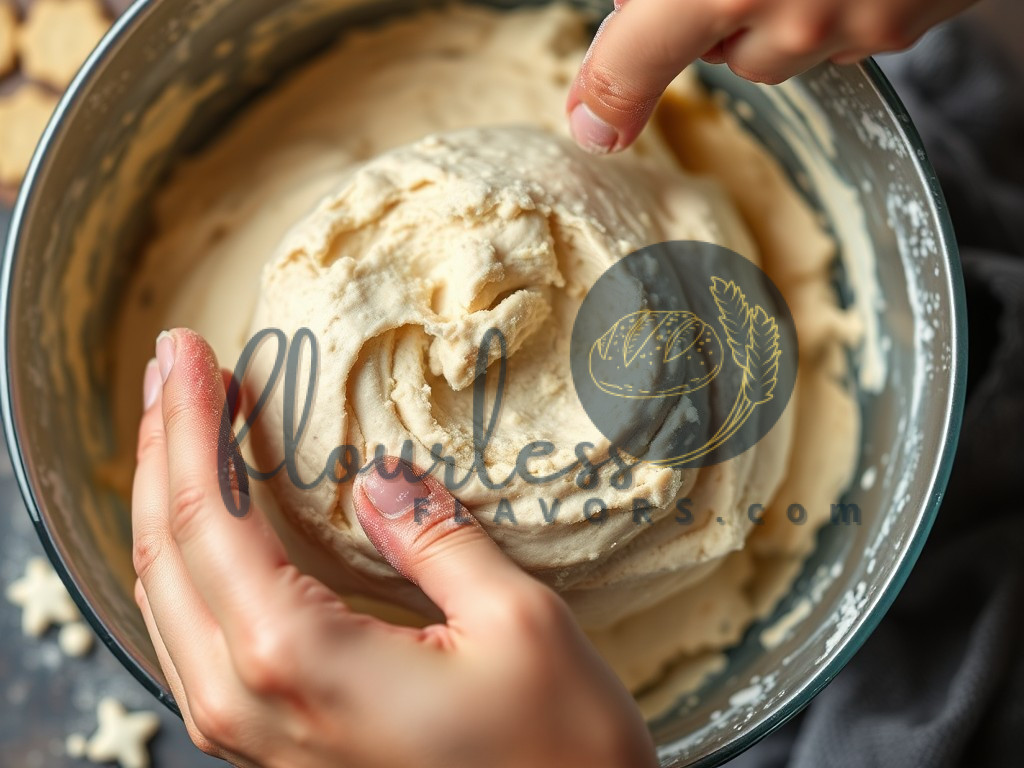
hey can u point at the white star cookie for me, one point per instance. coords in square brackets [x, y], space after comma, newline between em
[122, 735]
[43, 599]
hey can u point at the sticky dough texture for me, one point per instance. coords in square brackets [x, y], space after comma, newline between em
[398, 251]
[401, 271]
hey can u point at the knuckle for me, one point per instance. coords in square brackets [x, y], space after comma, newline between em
[264, 662]
[434, 542]
[302, 734]
[177, 412]
[533, 610]
[187, 505]
[146, 549]
[545, 607]
[438, 534]
[215, 718]
[150, 441]
[804, 38]
[307, 589]
[615, 92]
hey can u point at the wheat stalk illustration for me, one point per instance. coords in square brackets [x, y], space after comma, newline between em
[763, 355]
[735, 315]
[753, 338]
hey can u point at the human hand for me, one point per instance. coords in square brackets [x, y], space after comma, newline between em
[644, 44]
[271, 668]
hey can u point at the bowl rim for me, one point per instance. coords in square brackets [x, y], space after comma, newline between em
[937, 483]
[743, 740]
[26, 195]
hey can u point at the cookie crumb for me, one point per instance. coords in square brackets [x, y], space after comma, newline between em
[75, 639]
[75, 746]
[57, 37]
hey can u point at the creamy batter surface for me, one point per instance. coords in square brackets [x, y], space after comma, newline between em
[416, 186]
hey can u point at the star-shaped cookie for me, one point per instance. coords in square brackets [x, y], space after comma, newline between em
[122, 735]
[43, 599]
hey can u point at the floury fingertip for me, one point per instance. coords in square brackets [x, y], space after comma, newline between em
[165, 354]
[151, 382]
[591, 132]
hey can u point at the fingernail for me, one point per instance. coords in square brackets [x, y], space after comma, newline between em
[393, 496]
[151, 384]
[591, 132]
[165, 354]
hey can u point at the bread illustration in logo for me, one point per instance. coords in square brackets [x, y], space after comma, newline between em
[654, 354]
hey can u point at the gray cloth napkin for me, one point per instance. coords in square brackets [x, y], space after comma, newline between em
[941, 682]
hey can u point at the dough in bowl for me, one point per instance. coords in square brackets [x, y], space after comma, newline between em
[414, 187]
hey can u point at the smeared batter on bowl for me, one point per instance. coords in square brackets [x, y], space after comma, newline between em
[414, 186]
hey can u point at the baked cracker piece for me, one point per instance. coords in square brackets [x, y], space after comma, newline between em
[57, 37]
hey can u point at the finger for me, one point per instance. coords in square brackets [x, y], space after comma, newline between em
[774, 51]
[215, 688]
[879, 28]
[638, 51]
[432, 540]
[755, 57]
[189, 630]
[232, 553]
[171, 672]
[238, 563]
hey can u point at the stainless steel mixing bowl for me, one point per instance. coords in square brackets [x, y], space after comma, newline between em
[846, 121]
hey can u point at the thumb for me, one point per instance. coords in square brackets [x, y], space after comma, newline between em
[641, 48]
[431, 538]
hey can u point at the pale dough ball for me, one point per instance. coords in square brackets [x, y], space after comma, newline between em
[57, 37]
[23, 116]
[75, 746]
[8, 30]
[75, 639]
